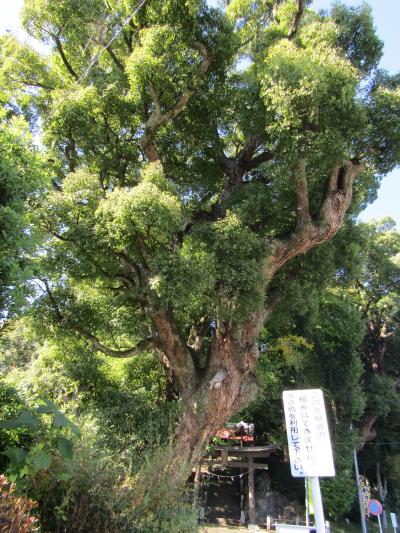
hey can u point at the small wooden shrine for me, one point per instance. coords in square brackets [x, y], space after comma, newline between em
[239, 452]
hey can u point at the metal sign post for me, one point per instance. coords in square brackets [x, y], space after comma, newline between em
[318, 508]
[307, 502]
[380, 525]
[360, 495]
[310, 449]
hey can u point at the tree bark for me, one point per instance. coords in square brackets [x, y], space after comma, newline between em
[368, 432]
[226, 386]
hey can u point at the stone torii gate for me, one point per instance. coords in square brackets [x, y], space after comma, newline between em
[242, 457]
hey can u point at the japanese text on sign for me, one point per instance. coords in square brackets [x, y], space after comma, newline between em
[309, 442]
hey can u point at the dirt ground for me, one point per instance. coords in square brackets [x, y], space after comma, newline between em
[222, 529]
[211, 529]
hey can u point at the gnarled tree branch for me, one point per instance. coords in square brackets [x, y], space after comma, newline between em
[67, 64]
[130, 268]
[330, 218]
[34, 83]
[168, 340]
[115, 58]
[297, 19]
[300, 179]
[100, 347]
[235, 168]
[97, 345]
[259, 159]
[158, 119]
[53, 301]
[368, 432]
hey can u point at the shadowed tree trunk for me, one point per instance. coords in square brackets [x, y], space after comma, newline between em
[211, 395]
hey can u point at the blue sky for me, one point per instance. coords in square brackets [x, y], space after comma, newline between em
[386, 15]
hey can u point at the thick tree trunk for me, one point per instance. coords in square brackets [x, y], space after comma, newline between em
[368, 432]
[378, 339]
[212, 396]
[226, 386]
[207, 412]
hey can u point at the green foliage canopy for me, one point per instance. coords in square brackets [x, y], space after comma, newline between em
[298, 94]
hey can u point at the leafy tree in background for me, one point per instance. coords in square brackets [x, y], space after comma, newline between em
[124, 418]
[21, 178]
[377, 291]
[318, 350]
[185, 188]
[330, 333]
[377, 294]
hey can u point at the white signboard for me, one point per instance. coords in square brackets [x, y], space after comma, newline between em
[287, 528]
[310, 449]
[393, 518]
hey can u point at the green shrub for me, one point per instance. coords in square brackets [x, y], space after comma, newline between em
[105, 496]
[10, 405]
[44, 464]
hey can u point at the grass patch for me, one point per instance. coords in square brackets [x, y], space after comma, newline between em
[342, 527]
[336, 527]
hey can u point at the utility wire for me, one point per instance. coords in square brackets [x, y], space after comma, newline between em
[42, 11]
[96, 57]
[103, 26]
[379, 443]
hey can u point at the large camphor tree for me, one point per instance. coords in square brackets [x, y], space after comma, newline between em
[195, 152]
